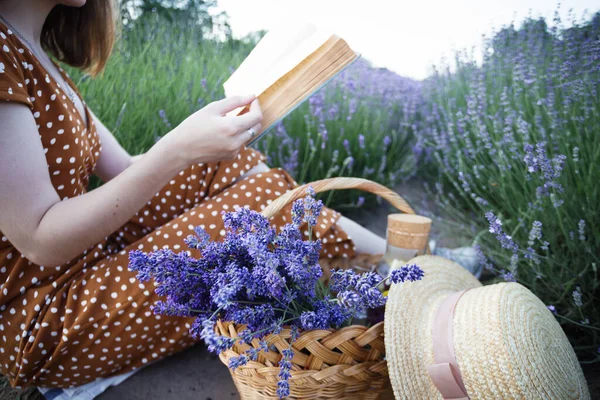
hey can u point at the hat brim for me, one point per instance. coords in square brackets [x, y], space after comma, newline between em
[409, 311]
[507, 343]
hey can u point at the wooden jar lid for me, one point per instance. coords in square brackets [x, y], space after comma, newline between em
[408, 231]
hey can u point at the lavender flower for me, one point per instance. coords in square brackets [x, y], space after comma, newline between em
[307, 209]
[309, 320]
[535, 233]
[407, 273]
[581, 229]
[349, 299]
[482, 258]
[386, 142]
[259, 278]
[285, 366]
[361, 141]
[577, 297]
[163, 116]
[509, 277]
[235, 362]
[506, 241]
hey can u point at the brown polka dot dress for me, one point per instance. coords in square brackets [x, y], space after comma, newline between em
[65, 325]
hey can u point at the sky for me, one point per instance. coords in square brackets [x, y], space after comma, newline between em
[406, 36]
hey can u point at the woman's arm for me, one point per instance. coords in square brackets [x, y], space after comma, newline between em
[114, 159]
[51, 232]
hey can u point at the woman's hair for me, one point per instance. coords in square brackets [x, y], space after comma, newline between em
[82, 37]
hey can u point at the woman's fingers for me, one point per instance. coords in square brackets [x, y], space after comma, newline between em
[231, 103]
[250, 119]
[250, 134]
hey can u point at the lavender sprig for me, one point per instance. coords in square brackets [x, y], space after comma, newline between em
[259, 278]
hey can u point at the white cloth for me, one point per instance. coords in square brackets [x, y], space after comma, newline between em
[88, 391]
[464, 256]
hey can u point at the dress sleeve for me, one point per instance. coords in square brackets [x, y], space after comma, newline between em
[12, 81]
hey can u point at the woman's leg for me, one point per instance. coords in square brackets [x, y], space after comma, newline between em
[101, 322]
[260, 167]
[192, 186]
[364, 240]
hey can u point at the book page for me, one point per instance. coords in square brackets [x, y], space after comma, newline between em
[312, 73]
[278, 52]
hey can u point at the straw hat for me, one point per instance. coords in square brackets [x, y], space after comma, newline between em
[506, 343]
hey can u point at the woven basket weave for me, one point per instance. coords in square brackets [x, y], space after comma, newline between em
[348, 363]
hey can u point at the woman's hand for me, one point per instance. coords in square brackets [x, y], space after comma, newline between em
[209, 135]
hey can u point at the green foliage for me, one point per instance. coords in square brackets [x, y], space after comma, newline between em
[189, 14]
[158, 66]
[518, 139]
[161, 72]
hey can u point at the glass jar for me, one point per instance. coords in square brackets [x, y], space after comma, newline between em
[407, 237]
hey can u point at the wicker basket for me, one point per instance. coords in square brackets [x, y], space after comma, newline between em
[348, 363]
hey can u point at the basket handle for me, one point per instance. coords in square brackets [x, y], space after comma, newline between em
[338, 183]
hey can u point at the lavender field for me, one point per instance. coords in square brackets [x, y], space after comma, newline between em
[509, 150]
[512, 151]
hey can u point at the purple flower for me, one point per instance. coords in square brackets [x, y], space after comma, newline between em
[535, 233]
[360, 201]
[505, 240]
[342, 280]
[295, 332]
[235, 362]
[297, 212]
[509, 276]
[386, 142]
[581, 229]
[577, 297]
[171, 309]
[256, 277]
[346, 145]
[349, 299]
[324, 135]
[482, 258]
[199, 241]
[407, 273]
[350, 161]
[548, 169]
[552, 309]
[307, 209]
[285, 366]
[163, 116]
[361, 141]
[309, 320]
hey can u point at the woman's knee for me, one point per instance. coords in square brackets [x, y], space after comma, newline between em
[261, 167]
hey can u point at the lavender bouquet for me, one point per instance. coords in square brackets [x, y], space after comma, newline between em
[262, 279]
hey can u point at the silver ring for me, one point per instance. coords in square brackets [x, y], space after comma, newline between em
[252, 132]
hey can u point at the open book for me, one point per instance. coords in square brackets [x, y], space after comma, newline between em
[286, 67]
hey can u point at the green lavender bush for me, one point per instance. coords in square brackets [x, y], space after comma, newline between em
[360, 124]
[515, 149]
[157, 76]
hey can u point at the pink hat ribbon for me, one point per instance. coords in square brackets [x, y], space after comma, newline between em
[445, 373]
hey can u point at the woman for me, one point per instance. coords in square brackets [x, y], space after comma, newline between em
[70, 310]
